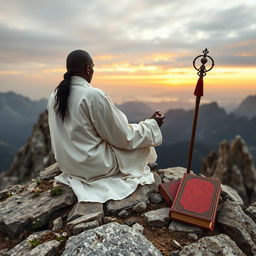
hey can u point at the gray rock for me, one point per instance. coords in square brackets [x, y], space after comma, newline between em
[240, 227]
[123, 214]
[233, 166]
[86, 218]
[35, 155]
[174, 253]
[79, 228]
[50, 172]
[220, 245]
[228, 193]
[49, 248]
[140, 207]
[32, 186]
[57, 224]
[108, 219]
[251, 211]
[158, 218]
[194, 236]
[18, 212]
[155, 198]
[141, 194]
[3, 252]
[173, 173]
[84, 208]
[176, 226]
[138, 227]
[12, 190]
[105, 241]
[24, 248]
[176, 244]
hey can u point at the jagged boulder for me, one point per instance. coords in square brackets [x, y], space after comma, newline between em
[28, 211]
[234, 167]
[32, 246]
[239, 226]
[220, 245]
[110, 239]
[35, 155]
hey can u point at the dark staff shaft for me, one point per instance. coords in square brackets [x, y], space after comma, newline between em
[198, 98]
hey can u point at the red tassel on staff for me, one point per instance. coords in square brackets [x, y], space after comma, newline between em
[199, 91]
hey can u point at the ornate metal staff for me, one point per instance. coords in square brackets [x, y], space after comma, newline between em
[198, 93]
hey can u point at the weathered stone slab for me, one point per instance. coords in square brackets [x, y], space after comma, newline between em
[12, 190]
[84, 208]
[239, 226]
[220, 245]
[86, 218]
[79, 228]
[141, 194]
[228, 193]
[105, 240]
[158, 218]
[18, 212]
[176, 226]
[50, 172]
[25, 248]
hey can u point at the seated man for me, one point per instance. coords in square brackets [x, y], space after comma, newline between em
[101, 155]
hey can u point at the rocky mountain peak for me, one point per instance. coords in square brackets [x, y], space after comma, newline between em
[32, 157]
[234, 166]
[247, 107]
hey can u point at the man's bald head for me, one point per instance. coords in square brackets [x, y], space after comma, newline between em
[78, 60]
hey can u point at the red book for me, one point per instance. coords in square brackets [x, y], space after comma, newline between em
[168, 190]
[196, 201]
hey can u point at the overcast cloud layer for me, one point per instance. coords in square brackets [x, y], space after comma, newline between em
[44, 31]
[39, 33]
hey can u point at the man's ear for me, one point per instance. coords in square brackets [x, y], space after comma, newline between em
[87, 70]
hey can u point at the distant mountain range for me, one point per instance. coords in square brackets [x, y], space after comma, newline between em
[17, 116]
[247, 107]
[19, 113]
[214, 125]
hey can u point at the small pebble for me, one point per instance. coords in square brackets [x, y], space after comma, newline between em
[57, 224]
[176, 244]
[123, 214]
[155, 198]
[193, 236]
[140, 207]
[138, 227]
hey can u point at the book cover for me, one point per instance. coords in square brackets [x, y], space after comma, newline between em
[168, 190]
[196, 201]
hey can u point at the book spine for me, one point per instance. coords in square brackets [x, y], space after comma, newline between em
[178, 191]
[164, 192]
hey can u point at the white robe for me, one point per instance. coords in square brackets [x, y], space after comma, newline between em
[101, 155]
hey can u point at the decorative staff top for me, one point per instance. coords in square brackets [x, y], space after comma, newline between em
[202, 71]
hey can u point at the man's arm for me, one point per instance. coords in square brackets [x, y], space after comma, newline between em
[113, 127]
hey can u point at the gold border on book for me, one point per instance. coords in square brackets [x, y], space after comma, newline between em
[179, 209]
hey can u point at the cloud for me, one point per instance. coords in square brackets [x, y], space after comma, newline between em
[43, 32]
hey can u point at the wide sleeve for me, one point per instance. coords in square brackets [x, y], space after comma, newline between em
[113, 127]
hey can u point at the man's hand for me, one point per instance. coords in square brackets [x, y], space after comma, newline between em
[158, 117]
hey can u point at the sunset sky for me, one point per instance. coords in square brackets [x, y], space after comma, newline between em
[142, 50]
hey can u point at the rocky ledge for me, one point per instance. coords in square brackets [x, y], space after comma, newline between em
[44, 218]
